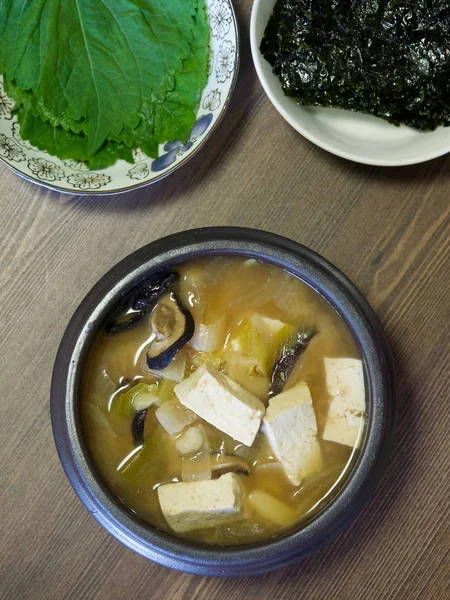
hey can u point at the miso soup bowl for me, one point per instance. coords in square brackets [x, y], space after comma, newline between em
[121, 522]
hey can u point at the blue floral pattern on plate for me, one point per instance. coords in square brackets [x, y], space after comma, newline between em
[176, 149]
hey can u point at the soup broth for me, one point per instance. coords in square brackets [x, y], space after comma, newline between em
[225, 403]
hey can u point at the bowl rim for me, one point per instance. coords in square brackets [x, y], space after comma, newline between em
[329, 147]
[114, 516]
[175, 166]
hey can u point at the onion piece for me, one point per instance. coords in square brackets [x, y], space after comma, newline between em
[199, 358]
[99, 420]
[271, 508]
[192, 288]
[175, 371]
[254, 290]
[270, 469]
[174, 417]
[244, 371]
[197, 468]
[143, 399]
[191, 441]
[208, 338]
[294, 299]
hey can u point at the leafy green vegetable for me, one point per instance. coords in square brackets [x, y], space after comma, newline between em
[174, 118]
[65, 144]
[388, 58]
[122, 403]
[165, 390]
[94, 60]
[103, 75]
[28, 101]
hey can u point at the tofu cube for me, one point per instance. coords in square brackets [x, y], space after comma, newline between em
[223, 403]
[199, 504]
[291, 428]
[345, 384]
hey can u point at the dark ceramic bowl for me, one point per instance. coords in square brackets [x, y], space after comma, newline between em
[121, 522]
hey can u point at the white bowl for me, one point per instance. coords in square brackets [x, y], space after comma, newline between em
[74, 177]
[354, 136]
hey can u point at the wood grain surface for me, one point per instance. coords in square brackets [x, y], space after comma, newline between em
[387, 229]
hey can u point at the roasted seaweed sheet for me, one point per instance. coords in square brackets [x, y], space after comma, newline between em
[390, 59]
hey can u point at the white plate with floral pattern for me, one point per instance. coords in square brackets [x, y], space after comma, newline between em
[75, 178]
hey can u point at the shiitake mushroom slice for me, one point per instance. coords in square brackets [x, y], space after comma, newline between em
[140, 301]
[173, 326]
[123, 322]
[137, 427]
[227, 463]
[153, 288]
[288, 358]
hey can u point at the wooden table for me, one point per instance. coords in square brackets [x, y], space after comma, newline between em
[387, 229]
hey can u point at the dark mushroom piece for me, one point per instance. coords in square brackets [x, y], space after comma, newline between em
[288, 358]
[173, 326]
[123, 322]
[226, 463]
[140, 301]
[137, 427]
[153, 288]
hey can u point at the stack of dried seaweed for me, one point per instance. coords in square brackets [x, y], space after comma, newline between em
[388, 58]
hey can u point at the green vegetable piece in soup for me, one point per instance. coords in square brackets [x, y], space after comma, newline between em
[122, 402]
